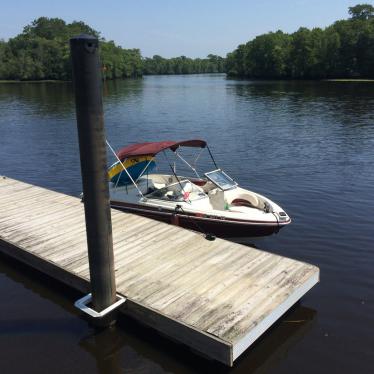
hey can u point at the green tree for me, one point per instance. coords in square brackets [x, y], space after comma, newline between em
[41, 51]
[183, 65]
[267, 56]
[365, 50]
[344, 49]
[361, 11]
[235, 62]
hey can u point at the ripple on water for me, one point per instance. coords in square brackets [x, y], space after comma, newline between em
[306, 145]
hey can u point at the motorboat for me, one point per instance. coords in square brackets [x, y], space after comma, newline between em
[211, 202]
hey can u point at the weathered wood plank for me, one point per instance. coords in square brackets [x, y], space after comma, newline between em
[217, 297]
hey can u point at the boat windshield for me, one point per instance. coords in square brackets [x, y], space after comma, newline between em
[180, 191]
[221, 179]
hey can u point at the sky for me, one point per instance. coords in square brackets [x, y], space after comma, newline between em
[173, 27]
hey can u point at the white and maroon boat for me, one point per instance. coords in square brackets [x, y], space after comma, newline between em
[210, 202]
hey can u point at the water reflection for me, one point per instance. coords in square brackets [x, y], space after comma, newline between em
[57, 99]
[128, 346]
[306, 145]
[38, 98]
[122, 88]
[274, 346]
[345, 100]
[109, 347]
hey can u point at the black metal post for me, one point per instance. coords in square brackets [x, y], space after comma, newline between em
[92, 147]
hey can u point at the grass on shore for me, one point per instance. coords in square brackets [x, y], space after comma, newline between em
[35, 81]
[359, 80]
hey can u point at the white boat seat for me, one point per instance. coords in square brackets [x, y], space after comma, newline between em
[244, 199]
[161, 181]
[159, 185]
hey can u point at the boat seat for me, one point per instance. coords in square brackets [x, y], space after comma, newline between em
[160, 181]
[245, 200]
[159, 185]
[198, 182]
[217, 199]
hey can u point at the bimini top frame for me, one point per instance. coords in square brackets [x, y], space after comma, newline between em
[153, 148]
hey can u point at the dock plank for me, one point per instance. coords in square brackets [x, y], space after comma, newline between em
[217, 297]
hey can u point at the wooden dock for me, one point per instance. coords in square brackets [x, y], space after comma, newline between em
[216, 297]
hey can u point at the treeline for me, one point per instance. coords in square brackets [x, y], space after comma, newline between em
[41, 51]
[183, 65]
[342, 50]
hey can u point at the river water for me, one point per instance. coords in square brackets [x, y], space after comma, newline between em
[306, 145]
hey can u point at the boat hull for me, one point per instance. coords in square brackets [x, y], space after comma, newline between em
[219, 226]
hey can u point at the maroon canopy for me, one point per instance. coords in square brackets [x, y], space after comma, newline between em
[152, 148]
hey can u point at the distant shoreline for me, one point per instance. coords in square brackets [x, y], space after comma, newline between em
[34, 81]
[360, 80]
[338, 80]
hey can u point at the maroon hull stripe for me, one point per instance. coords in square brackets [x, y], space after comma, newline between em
[212, 224]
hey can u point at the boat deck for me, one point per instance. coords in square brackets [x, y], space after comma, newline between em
[216, 297]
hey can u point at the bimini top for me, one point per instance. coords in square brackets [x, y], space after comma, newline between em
[152, 148]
